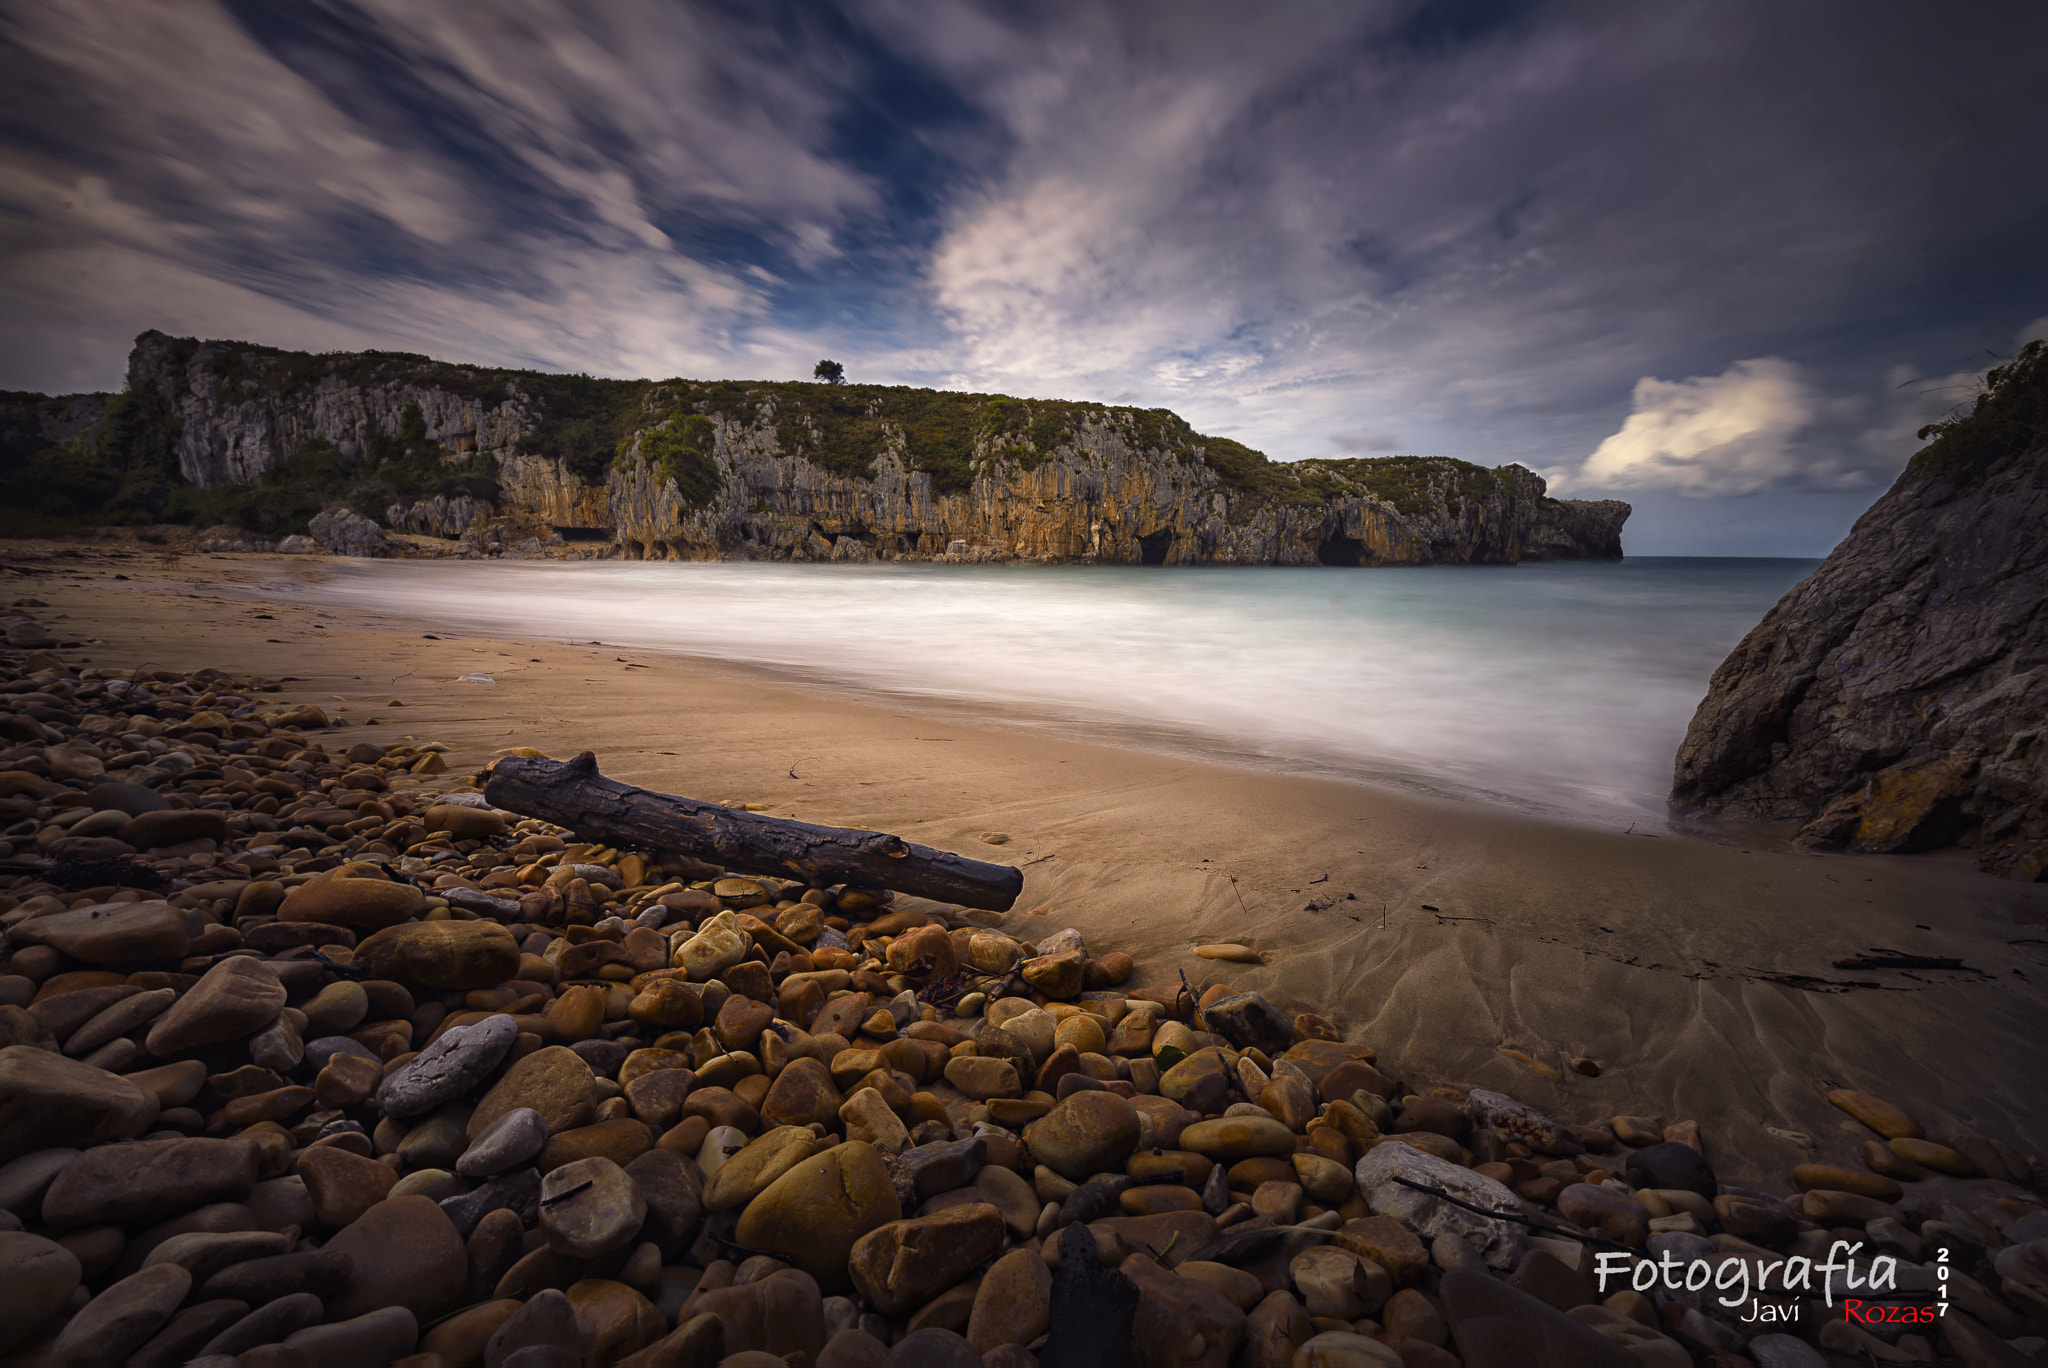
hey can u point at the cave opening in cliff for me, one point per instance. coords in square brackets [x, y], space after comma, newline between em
[1153, 546]
[1341, 550]
[584, 534]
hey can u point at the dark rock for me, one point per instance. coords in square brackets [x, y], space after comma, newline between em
[854, 1349]
[1248, 1021]
[132, 799]
[930, 1169]
[122, 1319]
[546, 1319]
[149, 1179]
[674, 1191]
[1672, 1165]
[191, 1328]
[1755, 1217]
[1498, 1326]
[173, 826]
[49, 1101]
[1092, 1309]
[1546, 1277]
[1094, 1199]
[932, 1347]
[323, 1272]
[406, 1254]
[112, 933]
[1822, 713]
[267, 1324]
[517, 1191]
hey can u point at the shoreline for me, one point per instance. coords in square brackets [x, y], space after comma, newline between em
[1359, 679]
[1669, 960]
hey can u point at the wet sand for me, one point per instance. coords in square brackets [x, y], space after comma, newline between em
[1440, 933]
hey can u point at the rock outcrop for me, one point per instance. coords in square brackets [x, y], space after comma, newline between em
[691, 470]
[1898, 699]
[348, 533]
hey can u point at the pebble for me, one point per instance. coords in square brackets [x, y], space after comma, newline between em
[1238, 1137]
[1089, 1132]
[1668, 1164]
[150, 1180]
[356, 903]
[47, 1100]
[1229, 950]
[37, 1276]
[590, 1207]
[122, 1319]
[511, 1140]
[1498, 1242]
[1881, 1116]
[459, 955]
[812, 1214]
[553, 1081]
[112, 933]
[376, 1337]
[1842, 1178]
[404, 1252]
[1250, 1022]
[462, 1058]
[342, 1185]
[902, 1264]
[233, 1000]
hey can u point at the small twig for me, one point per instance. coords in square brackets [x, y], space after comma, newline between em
[805, 761]
[1502, 1215]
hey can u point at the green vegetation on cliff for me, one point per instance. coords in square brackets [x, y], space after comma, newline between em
[2008, 420]
[120, 464]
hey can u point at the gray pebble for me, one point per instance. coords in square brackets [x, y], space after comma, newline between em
[506, 1143]
[462, 1058]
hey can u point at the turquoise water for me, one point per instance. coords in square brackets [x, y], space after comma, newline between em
[1556, 688]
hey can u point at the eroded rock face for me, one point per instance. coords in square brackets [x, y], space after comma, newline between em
[1896, 700]
[1062, 482]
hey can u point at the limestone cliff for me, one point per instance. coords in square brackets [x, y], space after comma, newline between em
[1898, 699]
[684, 469]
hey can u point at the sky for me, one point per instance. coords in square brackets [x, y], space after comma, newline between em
[1720, 258]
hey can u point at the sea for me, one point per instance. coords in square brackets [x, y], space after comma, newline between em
[1557, 689]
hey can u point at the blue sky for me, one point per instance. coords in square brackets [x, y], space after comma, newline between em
[1720, 259]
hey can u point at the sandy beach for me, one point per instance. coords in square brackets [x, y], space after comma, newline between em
[1697, 974]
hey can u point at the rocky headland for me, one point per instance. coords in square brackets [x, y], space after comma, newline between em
[310, 1055]
[425, 457]
[1897, 700]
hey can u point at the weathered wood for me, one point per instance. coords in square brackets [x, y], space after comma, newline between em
[573, 794]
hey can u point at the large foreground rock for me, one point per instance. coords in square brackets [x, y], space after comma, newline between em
[1891, 702]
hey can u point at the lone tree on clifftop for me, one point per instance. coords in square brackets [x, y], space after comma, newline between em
[831, 372]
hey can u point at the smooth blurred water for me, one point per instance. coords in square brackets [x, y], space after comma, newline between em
[1558, 688]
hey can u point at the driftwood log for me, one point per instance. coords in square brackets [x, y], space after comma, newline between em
[573, 794]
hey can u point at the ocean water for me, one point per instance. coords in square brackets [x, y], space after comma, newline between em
[1562, 689]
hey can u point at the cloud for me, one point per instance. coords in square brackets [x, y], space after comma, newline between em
[1762, 425]
[1727, 434]
[1286, 222]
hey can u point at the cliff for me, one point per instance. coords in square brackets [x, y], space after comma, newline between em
[251, 437]
[1898, 699]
